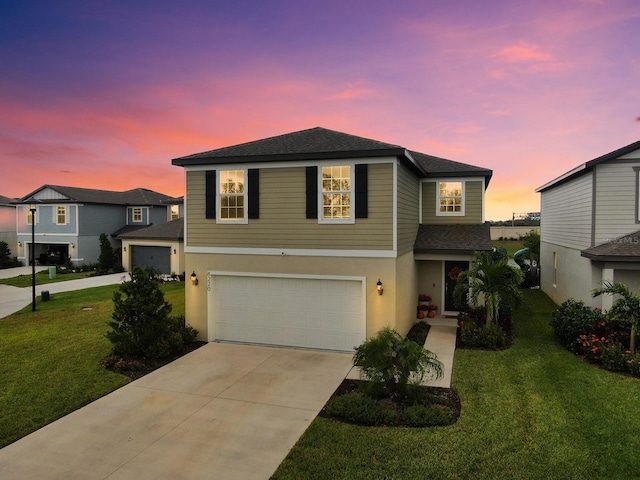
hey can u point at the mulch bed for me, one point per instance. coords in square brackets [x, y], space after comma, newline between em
[151, 365]
[350, 386]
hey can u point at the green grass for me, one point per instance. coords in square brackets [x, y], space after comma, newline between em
[42, 278]
[49, 359]
[533, 411]
[512, 246]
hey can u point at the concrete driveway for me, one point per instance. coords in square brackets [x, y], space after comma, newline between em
[224, 411]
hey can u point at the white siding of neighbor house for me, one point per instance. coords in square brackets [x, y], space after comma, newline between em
[616, 211]
[566, 213]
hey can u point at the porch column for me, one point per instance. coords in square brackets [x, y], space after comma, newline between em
[607, 300]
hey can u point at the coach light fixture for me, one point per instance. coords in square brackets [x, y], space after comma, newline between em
[194, 278]
[379, 287]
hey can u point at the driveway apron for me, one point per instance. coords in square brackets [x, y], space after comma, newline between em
[224, 411]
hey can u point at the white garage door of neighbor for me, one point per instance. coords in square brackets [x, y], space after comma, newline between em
[291, 311]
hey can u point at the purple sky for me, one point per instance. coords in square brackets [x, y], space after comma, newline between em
[105, 94]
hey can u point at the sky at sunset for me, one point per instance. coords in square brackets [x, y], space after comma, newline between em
[103, 94]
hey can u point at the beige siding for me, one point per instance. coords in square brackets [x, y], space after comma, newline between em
[616, 191]
[408, 208]
[566, 213]
[474, 196]
[283, 222]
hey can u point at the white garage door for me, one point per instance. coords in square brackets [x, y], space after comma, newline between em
[292, 311]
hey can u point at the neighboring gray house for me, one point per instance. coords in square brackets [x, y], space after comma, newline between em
[69, 220]
[8, 223]
[590, 227]
[159, 246]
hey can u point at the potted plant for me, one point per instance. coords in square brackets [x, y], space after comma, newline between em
[431, 311]
[424, 299]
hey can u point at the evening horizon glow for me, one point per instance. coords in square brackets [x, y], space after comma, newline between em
[103, 96]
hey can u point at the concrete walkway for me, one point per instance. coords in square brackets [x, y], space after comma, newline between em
[441, 340]
[13, 299]
[224, 411]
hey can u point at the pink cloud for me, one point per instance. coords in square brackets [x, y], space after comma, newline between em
[522, 52]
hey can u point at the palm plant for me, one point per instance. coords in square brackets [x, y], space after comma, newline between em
[490, 282]
[628, 305]
[391, 362]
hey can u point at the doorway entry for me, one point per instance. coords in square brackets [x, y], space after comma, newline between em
[452, 268]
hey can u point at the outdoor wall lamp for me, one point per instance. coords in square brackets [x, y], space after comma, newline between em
[174, 251]
[124, 248]
[379, 287]
[19, 244]
[72, 245]
[194, 278]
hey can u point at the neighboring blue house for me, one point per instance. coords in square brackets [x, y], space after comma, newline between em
[69, 220]
[8, 223]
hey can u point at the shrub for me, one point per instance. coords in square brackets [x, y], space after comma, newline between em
[572, 319]
[142, 326]
[479, 335]
[357, 407]
[6, 261]
[427, 416]
[418, 333]
[390, 362]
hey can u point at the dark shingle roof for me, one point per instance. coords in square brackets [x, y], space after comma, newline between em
[621, 249]
[6, 200]
[136, 196]
[321, 143]
[436, 166]
[454, 238]
[312, 143]
[173, 230]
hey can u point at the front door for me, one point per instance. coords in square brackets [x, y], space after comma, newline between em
[451, 270]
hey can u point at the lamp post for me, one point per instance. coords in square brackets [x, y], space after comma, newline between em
[33, 258]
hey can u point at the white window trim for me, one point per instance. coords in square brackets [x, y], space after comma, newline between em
[231, 221]
[28, 214]
[133, 215]
[463, 198]
[352, 193]
[66, 215]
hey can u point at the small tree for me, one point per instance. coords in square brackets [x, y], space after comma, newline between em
[391, 361]
[628, 305]
[5, 257]
[142, 326]
[489, 282]
[107, 258]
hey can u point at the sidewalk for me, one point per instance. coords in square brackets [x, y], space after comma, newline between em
[441, 340]
[13, 299]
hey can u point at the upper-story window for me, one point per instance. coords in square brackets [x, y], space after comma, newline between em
[337, 193]
[137, 214]
[30, 216]
[232, 195]
[61, 215]
[450, 198]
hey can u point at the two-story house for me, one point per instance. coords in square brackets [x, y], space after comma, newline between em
[69, 220]
[318, 238]
[590, 229]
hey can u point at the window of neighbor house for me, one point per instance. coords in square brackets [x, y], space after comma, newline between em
[30, 216]
[450, 198]
[61, 215]
[232, 195]
[137, 214]
[555, 268]
[337, 190]
[175, 212]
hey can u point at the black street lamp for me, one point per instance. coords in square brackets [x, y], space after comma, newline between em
[33, 258]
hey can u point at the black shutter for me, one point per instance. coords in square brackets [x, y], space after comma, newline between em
[210, 194]
[253, 193]
[312, 192]
[362, 194]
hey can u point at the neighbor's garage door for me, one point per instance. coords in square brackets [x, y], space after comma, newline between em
[156, 257]
[300, 312]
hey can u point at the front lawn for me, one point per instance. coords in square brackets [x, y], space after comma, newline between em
[42, 277]
[534, 411]
[50, 359]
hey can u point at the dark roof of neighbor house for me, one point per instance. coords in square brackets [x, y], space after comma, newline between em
[136, 196]
[621, 249]
[173, 230]
[588, 166]
[321, 143]
[6, 200]
[453, 238]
